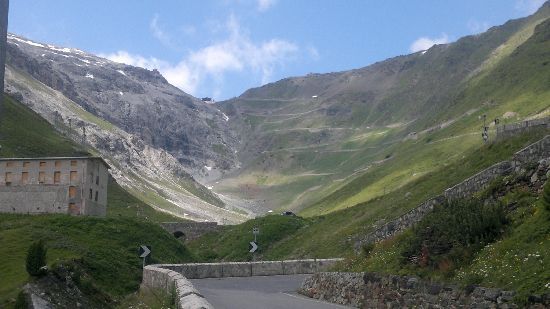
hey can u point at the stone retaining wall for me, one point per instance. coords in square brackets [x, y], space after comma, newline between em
[400, 224]
[369, 290]
[508, 130]
[531, 154]
[337, 287]
[477, 182]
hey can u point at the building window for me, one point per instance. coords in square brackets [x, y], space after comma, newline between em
[74, 163]
[26, 164]
[8, 178]
[24, 178]
[74, 176]
[41, 177]
[72, 192]
[97, 180]
[10, 164]
[42, 164]
[96, 194]
[58, 164]
[91, 192]
[56, 177]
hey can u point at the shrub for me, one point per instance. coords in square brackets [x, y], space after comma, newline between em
[36, 259]
[452, 232]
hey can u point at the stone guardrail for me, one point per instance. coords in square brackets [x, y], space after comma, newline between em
[174, 277]
[535, 152]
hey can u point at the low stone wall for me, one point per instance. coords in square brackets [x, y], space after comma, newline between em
[369, 290]
[478, 182]
[248, 269]
[400, 224]
[533, 153]
[186, 296]
[337, 287]
[508, 130]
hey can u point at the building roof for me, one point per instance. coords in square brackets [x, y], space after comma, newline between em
[56, 158]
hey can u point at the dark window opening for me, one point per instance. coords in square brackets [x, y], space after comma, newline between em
[96, 194]
[91, 192]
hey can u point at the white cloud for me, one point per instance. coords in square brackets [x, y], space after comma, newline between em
[529, 6]
[264, 5]
[477, 26]
[313, 53]
[158, 33]
[235, 53]
[425, 43]
[189, 30]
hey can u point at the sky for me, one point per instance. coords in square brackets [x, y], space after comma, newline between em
[221, 48]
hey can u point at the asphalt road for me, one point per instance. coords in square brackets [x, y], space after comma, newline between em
[262, 292]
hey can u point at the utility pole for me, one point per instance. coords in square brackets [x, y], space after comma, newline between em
[485, 132]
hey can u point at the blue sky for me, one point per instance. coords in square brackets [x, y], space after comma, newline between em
[220, 48]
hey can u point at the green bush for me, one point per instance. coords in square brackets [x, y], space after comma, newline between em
[452, 233]
[36, 258]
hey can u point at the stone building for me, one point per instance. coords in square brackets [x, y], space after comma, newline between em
[67, 185]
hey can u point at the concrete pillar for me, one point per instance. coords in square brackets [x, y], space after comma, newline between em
[4, 6]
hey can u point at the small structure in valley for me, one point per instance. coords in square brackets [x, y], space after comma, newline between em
[67, 185]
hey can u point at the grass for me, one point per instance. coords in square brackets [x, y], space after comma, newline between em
[517, 260]
[106, 249]
[122, 204]
[24, 133]
[232, 242]
[333, 235]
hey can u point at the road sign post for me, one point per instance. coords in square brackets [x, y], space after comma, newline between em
[253, 244]
[144, 252]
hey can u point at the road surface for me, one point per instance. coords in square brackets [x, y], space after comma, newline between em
[266, 292]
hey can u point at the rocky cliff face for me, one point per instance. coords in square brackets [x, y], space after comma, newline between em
[138, 101]
[149, 131]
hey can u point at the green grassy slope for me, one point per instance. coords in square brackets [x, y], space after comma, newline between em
[333, 234]
[105, 249]
[515, 260]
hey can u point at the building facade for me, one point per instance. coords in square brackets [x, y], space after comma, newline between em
[67, 185]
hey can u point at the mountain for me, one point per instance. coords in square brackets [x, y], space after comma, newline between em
[323, 142]
[155, 136]
[313, 144]
[138, 101]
